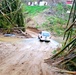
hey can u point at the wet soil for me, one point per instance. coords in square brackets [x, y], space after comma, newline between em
[20, 55]
[26, 57]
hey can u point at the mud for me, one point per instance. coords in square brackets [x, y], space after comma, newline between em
[25, 56]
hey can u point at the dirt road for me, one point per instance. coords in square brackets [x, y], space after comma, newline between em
[26, 57]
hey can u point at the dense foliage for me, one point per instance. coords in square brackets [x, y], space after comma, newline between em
[11, 14]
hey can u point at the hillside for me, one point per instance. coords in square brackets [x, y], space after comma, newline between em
[53, 19]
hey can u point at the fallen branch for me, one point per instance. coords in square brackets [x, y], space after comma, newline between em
[69, 72]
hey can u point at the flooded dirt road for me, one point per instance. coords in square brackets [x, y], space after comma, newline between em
[26, 57]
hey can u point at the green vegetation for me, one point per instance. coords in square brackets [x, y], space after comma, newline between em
[68, 51]
[56, 23]
[33, 10]
[11, 15]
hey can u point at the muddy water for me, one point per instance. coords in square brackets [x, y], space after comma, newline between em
[9, 39]
[20, 56]
[26, 57]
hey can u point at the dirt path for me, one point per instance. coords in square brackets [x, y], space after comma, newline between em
[26, 57]
[32, 32]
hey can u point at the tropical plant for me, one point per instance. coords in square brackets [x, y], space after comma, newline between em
[67, 54]
[11, 14]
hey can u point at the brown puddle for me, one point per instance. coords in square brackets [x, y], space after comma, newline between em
[9, 39]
